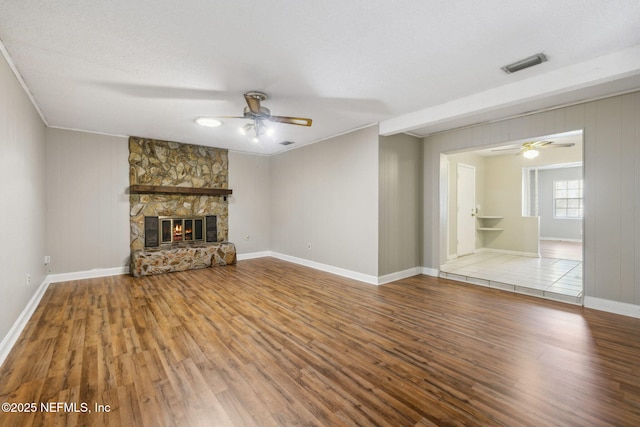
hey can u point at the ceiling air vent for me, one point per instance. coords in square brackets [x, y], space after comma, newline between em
[536, 59]
[287, 143]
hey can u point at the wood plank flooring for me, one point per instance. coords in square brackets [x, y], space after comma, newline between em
[271, 343]
[561, 249]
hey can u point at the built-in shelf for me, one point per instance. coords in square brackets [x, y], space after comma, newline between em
[164, 189]
[485, 220]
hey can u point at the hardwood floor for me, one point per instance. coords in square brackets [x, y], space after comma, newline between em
[561, 249]
[271, 343]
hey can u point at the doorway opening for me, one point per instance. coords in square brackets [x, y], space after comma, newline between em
[526, 213]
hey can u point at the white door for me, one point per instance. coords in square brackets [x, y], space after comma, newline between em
[466, 209]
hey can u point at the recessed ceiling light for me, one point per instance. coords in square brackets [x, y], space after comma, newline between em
[208, 122]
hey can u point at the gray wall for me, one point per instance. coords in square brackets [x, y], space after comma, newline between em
[87, 225]
[87, 181]
[400, 215]
[612, 179]
[250, 203]
[22, 194]
[550, 227]
[326, 194]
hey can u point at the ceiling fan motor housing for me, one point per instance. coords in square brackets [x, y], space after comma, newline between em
[265, 113]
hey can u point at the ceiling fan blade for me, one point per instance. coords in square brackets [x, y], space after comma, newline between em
[506, 149]
[164, 92]
[570, 144]
[539, 144]
[253, 102]
[299, 121]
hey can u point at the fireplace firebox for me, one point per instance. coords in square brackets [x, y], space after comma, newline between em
[167, 231]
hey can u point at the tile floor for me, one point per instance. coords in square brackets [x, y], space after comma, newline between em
[551, 278]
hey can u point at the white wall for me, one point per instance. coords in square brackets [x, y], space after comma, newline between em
[326, 195]
[87, 223]
[22, 195]
[250, 203]
[550, 227]
[400, 217]
[612, 178]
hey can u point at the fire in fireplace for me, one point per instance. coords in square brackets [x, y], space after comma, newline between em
[162, 230]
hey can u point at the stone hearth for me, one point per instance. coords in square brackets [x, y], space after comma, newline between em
[190, 257]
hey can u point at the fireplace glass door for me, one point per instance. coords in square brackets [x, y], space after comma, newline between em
[166, 231]
[198, 229]
[178, 230]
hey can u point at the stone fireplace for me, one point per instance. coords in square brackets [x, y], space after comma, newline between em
[179, 210]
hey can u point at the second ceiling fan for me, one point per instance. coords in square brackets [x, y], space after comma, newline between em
[530, 149]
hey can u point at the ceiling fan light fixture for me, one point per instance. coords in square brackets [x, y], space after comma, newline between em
[208, 122]
[530, 61]
[531, 154]
[254, 130]
[247, 129]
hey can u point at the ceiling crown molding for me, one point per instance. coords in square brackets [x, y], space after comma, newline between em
[16, 73]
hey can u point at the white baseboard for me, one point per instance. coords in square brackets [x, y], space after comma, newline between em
[89, 274]
[508, 252]
[434, 272]
[253, 255]
[398, 275]
[615, 307]
[12, 336]
[373, 280]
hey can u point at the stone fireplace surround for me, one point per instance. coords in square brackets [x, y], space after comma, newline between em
[171, 179]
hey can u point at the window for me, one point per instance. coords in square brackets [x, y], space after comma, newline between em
[567, 199]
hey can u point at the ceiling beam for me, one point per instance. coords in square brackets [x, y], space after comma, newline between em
[573, 81]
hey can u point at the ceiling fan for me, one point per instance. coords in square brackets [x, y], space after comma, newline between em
[259, 114]
[530, 149]
[255, 111]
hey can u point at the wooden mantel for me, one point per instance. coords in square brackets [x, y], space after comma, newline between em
[163, 189]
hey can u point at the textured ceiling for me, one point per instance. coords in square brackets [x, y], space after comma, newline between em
[148, 68]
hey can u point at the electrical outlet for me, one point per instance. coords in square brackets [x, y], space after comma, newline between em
[47, 260]
[28, 279]
[308, 245]
[247, 237]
